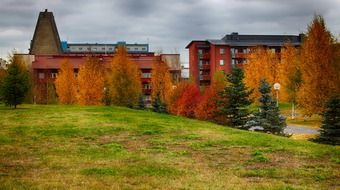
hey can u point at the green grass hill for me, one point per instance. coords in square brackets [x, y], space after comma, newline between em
[98, 147]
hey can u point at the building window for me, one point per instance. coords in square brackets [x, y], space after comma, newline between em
[88, 49]
[41, 75]
[233, 62]
[233, 52]
[200, 51]
[136, 49]
[222, 51]
[80, 48]
[273, 50]
[146, 75]
[110, 49]
[94, 49]
[221, 62]
[144, 49]
[53, 75]
[147, 86]
[103, 49]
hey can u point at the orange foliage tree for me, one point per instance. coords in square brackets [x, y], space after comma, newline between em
[289, 75]
[125, 84]
[207, 108]
[188, 100]
[175, 95]
[161, 82]
[66, 84]
[91, 82]
[319, 70]
[261, 64]
[3, 74]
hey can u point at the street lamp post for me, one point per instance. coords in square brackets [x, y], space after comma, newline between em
[277, 87]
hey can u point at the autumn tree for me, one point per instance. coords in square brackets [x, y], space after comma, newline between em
[318, 68]
[175, 95]
[188, 100]
[161, 83]
[125, 84]
[3, 74]
[261, 63]
[66, 84]
[16, 83]
[290, 75]
[207, 108]
[91, 82]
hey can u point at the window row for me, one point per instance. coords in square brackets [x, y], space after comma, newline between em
[105, 49]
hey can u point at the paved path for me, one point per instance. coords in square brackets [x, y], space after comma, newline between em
[300, 130]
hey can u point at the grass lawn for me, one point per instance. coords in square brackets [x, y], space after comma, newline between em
[75, 147]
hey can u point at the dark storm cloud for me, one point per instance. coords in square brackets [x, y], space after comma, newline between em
[165, 24]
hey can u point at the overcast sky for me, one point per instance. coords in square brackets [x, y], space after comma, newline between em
[167, 25]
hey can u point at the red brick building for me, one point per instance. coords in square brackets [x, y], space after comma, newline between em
[208, 56]
[47, 52]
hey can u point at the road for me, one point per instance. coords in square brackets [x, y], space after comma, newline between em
[296, 130]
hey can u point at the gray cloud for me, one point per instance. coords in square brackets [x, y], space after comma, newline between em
[165, 24]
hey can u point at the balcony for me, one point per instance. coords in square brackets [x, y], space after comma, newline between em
[146, 91]
[241, 55]
[205, 67]
[204, 56]
[204, 77]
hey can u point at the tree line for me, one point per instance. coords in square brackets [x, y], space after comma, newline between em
[309, 76]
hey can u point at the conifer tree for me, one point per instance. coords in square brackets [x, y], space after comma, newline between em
[330, 128]
[319, 71]
[158, 105]
[16, 83]
[141, 102]
[235, 99]
[269, 117]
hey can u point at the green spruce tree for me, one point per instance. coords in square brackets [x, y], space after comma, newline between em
[269, 116]
[141, 103]
[158, 105]
[330, 128]
[235, 99]
[16, 83]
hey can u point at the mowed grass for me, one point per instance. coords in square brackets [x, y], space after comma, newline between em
[97, 147]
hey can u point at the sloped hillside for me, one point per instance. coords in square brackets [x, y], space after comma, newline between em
[74, 147]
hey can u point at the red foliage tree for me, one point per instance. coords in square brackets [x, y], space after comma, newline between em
[207, 108]
[188, 101]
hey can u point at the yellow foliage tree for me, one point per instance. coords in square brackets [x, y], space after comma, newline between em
[289, 75]
[161, 82]
[125, 83]
[261, 64]
[91, 82]
[319, 70]
[66, 84]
